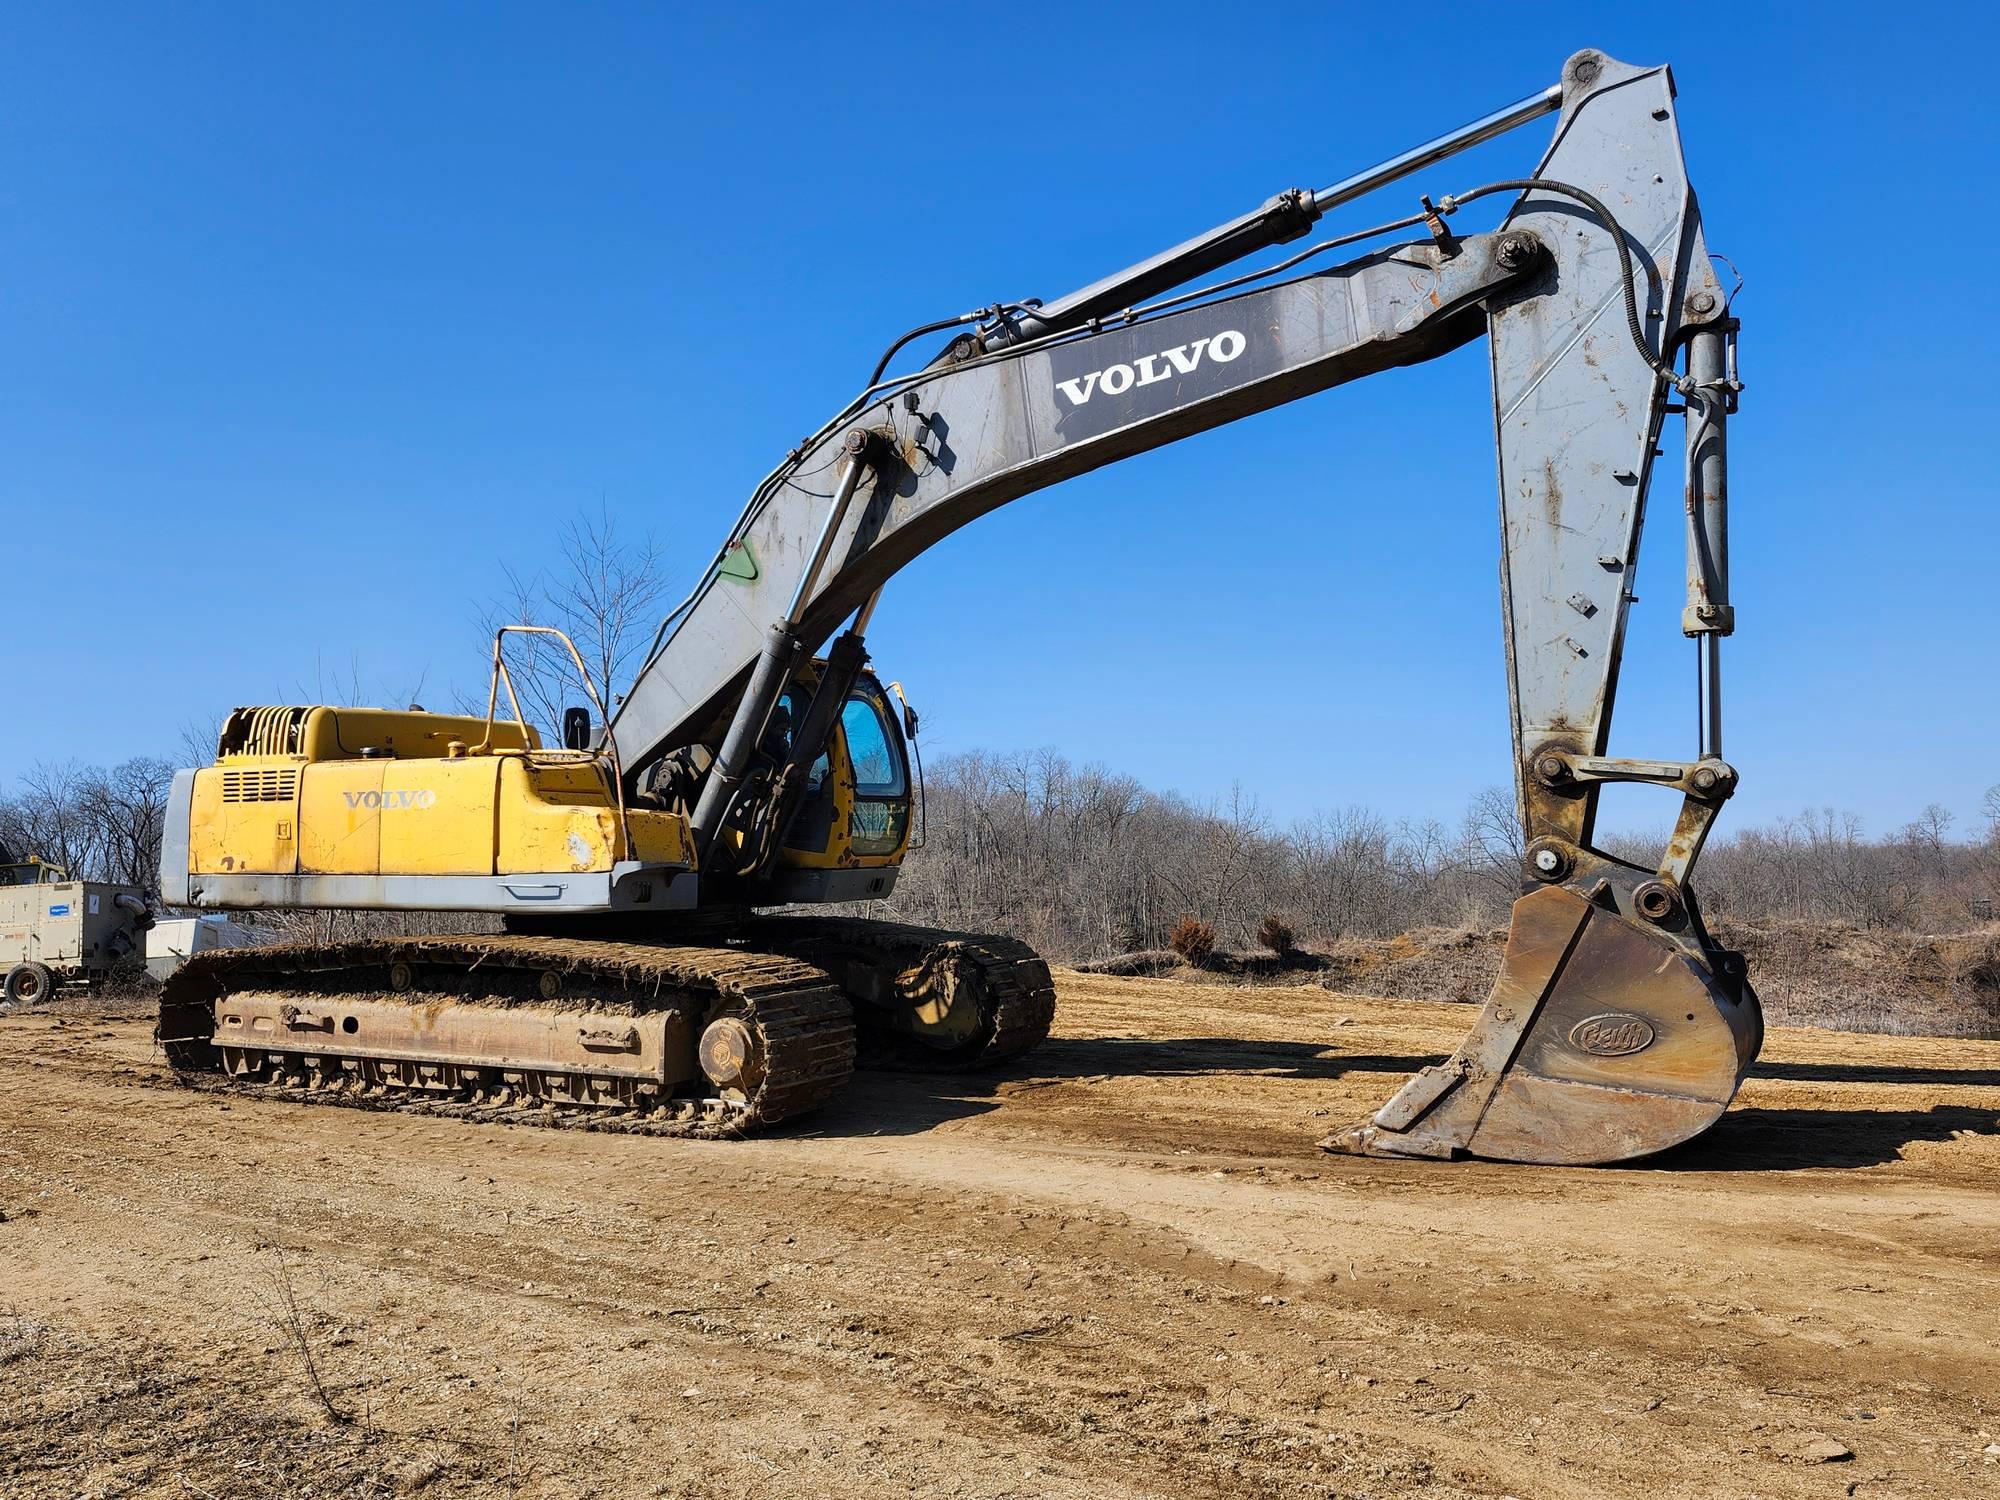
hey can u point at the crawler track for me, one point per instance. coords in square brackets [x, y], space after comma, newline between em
[888, 969]
[802, 1022]
[806, 987]
[1005, 979]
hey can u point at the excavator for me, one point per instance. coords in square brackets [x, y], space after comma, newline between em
[652, 970]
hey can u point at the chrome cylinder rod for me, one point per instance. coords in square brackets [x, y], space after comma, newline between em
[1483, 129]
[1283, 218]
[850, 477]
[866, 613]
[1707, 495]
[773, 669]
[1708, 687]
[1709, 615]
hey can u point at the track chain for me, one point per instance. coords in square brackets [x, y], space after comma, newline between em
[1020, 997]
[804, 1020]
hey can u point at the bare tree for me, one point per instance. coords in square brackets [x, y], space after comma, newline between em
[1084, 863]
[605, 591]
[1491, 834]
[347, 688]
[128, 805]
[45, 818]
[198, 740]
[1930, 829]
[1986, 857]
[96, 824]
[1342, 859]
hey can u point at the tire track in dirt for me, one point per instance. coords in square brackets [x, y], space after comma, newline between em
[1066, 1281]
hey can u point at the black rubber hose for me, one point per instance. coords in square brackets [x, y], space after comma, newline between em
[1656, 363]
[916, 333]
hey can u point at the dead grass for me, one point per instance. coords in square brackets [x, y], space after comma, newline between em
[1430, 963]
[297, 1327]
[107, 1421]
[1858, 979]
[126, 994]
[1828, 975]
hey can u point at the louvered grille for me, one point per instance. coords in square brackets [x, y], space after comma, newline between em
[260, 786]
[276, 731]
[264, 731]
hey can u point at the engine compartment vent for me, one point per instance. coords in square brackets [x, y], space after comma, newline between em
[260, 786]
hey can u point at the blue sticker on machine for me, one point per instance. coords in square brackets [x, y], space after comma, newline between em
[59, 911]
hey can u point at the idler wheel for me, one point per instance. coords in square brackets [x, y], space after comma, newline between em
[732, 1056]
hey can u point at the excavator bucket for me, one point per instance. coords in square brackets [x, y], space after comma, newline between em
[1605, 1038]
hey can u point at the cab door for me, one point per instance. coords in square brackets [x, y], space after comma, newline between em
[856, 809]
[878, 817]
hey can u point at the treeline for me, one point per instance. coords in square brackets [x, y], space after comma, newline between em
[1085, 863]
[1821, 867]
[97, 824]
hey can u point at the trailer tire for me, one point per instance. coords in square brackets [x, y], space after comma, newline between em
[28, 984]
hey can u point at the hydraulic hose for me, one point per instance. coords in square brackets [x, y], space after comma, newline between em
[1656, 363]
[1450, 204]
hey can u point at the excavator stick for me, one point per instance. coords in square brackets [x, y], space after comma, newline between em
[1617, 1026]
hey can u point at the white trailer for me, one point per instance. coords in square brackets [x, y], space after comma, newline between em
[175, 940]
[55, 931]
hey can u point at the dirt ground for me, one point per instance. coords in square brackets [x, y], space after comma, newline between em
[1118, 1269]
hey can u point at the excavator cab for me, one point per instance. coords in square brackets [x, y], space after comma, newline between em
[854, 812]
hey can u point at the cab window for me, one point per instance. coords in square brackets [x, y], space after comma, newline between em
[878, 769]
[778, 740]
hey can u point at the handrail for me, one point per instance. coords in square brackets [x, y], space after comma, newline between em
[502, 675]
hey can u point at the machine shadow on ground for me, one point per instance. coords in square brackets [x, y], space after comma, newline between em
[1803, 1072]
[886, 1103]
[1063, 1058]
[1783, 1140]
[1746, 1139]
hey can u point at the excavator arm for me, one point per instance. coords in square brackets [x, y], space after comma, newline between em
[1617, 1026]
[940, 450]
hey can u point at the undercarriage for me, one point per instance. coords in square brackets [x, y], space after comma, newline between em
[722, 1031]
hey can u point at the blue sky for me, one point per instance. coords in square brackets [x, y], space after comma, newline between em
[312, 319]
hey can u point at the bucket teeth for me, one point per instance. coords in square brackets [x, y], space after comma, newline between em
[1604, 1039]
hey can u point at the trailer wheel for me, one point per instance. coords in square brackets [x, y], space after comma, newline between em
[28, 984]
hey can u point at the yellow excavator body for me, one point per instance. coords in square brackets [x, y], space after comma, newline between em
[716, 1021]
[372, 792]
[366, 792]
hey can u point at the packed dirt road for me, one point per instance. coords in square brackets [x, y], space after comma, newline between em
[1118, 1269]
